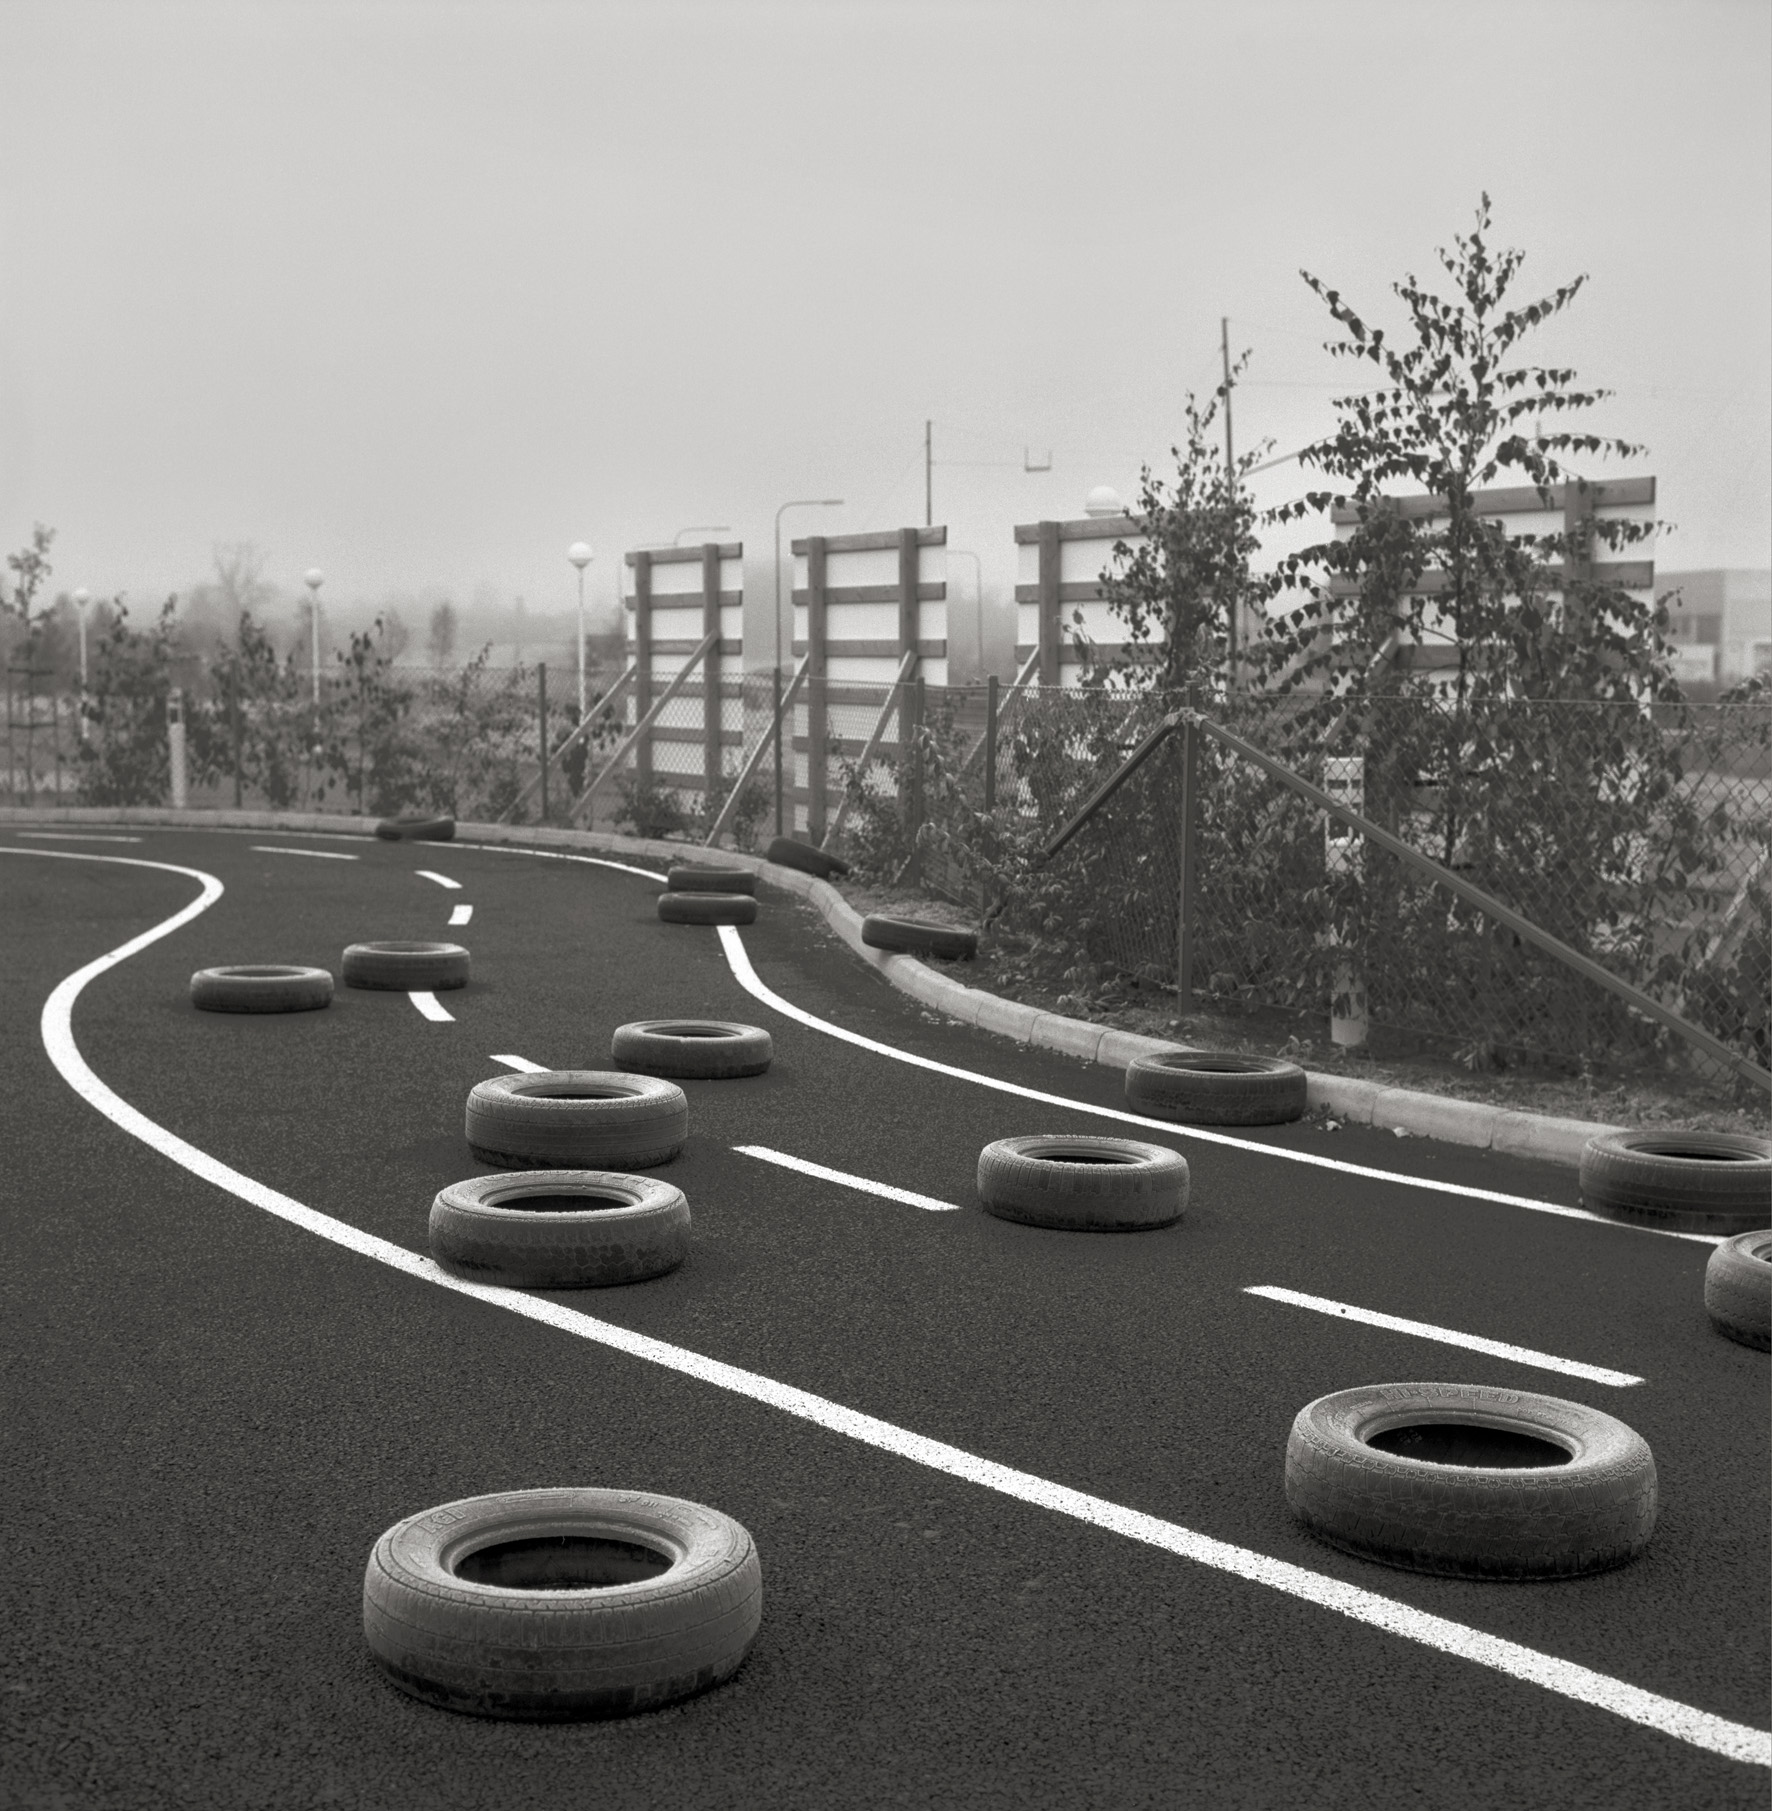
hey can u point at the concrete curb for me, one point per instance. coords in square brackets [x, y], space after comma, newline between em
[1502, 1129]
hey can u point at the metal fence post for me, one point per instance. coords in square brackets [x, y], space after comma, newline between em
[175, 747]
[990, 746]
[1344, 779]
[541, 687]
[1187, 891]
[775, 701]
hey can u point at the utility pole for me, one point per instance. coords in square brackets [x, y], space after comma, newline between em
[928, 474]
[1233, 603]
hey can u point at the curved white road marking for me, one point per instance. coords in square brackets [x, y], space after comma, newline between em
[463, 914]
[885, 1190]
[311, 854]
[593, 861]
[1684, 1722]
[442, 880]
[1520, 1355]
[432, 1008]
[748, 978]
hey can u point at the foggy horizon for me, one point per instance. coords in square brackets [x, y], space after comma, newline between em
[420, 294]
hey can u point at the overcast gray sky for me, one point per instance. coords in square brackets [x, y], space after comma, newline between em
[419, 293]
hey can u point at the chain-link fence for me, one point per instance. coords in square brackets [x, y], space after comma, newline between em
[1640, 837]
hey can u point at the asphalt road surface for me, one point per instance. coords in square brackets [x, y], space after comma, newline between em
[1041, 1585]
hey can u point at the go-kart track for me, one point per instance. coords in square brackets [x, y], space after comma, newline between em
[1017, 1493]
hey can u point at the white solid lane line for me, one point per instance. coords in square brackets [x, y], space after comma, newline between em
[845, 1180]
[312, 854]
[748, 978]
[461, 915]
[1520, 1355]
[432, 1008]
[77, 836]
[522, 1065]
[1684, 1722]
[442, 880]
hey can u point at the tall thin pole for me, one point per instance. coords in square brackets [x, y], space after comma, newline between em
[541, 690]
[928, 474]
[581, 644]
[1234, 603]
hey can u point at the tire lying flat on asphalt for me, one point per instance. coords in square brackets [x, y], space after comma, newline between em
[261, 987]
[406, 967]
[688, 878]
[576, 1119]
[1738, 1289]
[1471, 1482]
[692, 1049]
[1207, 1088]
[1711, 1182]
[1082, 1183]
[786, 852]
[550, 1604]
[560, 1229]
[416, 829]
[919, 937]
[707, 908]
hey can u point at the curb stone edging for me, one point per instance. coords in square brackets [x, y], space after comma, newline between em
[1508, 1131]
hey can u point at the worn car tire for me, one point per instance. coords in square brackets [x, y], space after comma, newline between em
[576, 1119]
[918, 937]
[686, 877]
[521, 1232]
[416, 829]
[561, 1642]
[788, 852]
[1710, 1182]
[1738, 1288]
[1509, 1517]
[713, 1050]
[1207, 1088]
[1082, 1183]
[707, 908]
[261, 987]
[406, 967]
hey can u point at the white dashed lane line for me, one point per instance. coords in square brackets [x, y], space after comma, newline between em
[843, 1179]
[77, 836]
[1495, 1348]
[522, 1065]
[461, 914]
[313, 854]
[442, 880]
[428, 1004]
[1530, 1666]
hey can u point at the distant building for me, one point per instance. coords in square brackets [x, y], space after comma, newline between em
[1721, 623]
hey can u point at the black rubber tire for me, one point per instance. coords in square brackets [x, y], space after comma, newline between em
[1207, 1088]
[1464, 1520]
[576, 1119]
[707, 908]
[708, 1050]
[1081, 1183]
[630, 1228]
[261, 987]
[787, 852]
[416, 830]
[687, 878]
[1738, 1289]
[406, 967]
[548, 1654]
[1710, 1182]
[917, 937]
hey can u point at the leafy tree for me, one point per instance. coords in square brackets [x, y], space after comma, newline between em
[441, 640]
[257, 725]
[124, 759]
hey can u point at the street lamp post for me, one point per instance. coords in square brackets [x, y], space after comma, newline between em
[314, 578]
[579, 553]
[82, 598]
[797, 503]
